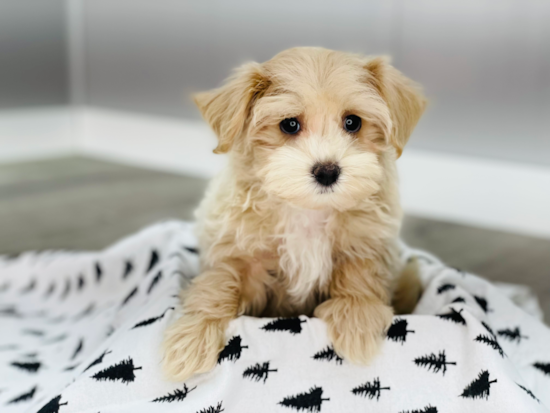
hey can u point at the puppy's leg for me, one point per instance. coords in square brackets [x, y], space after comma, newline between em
[408, 288]
[192, 343]
[357, 314]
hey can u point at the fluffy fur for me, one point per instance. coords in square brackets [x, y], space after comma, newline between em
[273, 241]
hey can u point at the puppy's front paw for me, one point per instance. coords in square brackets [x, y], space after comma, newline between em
[191, 345]
[356, 327]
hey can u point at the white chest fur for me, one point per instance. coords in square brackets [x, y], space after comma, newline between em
[305, 251]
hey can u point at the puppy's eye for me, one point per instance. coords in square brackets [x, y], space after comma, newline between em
[290, 126]
[352, 123]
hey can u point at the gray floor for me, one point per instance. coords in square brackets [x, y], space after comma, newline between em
[78, 203]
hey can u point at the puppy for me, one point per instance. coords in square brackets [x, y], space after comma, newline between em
[305, 219]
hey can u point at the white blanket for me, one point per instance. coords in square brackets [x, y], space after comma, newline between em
[81, 331]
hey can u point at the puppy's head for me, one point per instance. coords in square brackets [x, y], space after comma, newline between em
[313, 124]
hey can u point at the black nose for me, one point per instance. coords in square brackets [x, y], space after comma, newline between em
[326, 173]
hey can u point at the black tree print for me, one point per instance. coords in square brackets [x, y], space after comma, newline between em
[445, 287]
[529, 392]
[512, 335]
[212, 409]
[81, 282]
[78, 349]
[50, 290]
[152, 319]
[482, 302]
[308, 402]
[434, 363]
[259, 371]
[398, 330]
[544, 367]
[489, 329]
[176, 396]
[154, 282]
[370, 390]
[491, 342]
[153, 260]
[86, 312]
[427, 409]
[71, 368]
[98, 272]
[52, 406]
[24, 397]
[480, 387]
[129, 297]
[232, 351]
[128, 268]
[97, 360]
[56, 339]
[67, 289]
[458, 300]
[30, 287]
[328, 354]
[292, 325]
[453, 316]
[33, 332]
[123, 371]
[31, 367]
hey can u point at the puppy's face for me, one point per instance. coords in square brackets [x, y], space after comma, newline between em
[311, 124]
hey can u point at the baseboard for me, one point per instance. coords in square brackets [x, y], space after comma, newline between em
[35, 133]
[476, 191]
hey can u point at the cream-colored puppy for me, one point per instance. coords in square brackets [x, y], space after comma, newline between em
[305, 219]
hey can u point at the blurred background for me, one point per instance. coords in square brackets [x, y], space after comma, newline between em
[98, 136]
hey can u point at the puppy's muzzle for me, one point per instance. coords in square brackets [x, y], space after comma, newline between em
[326, 173]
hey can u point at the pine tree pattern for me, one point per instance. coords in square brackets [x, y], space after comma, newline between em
[31, 367]
[427, 409]
[398, 330]
[232, 351]
[128, 268]
[153, 260]
[328, 354]
[480, 387]
[30, 287]
[152, 319]
[50, 290]
[97, 360]
[78, 348]
[434, 363]
[529, 392]
[129, 296]
[292, 325]
[453, 316]
[512, 335]
[482, 302]
[370, 390]
[86, 312]
[176, 396]
[80, 283]
[307, 402]
[67, 289]
[154, 282]
[258, 371]
[544, 367]
[445, 287]
[490, 342]
[24, 397]
[212, 409]
[489, 329]
[53, 405]
[458, 300]
[33, 332]
[123, 371]
[98, 272]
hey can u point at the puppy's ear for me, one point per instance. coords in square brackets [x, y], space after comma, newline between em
[228, 108]
[403, 97]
